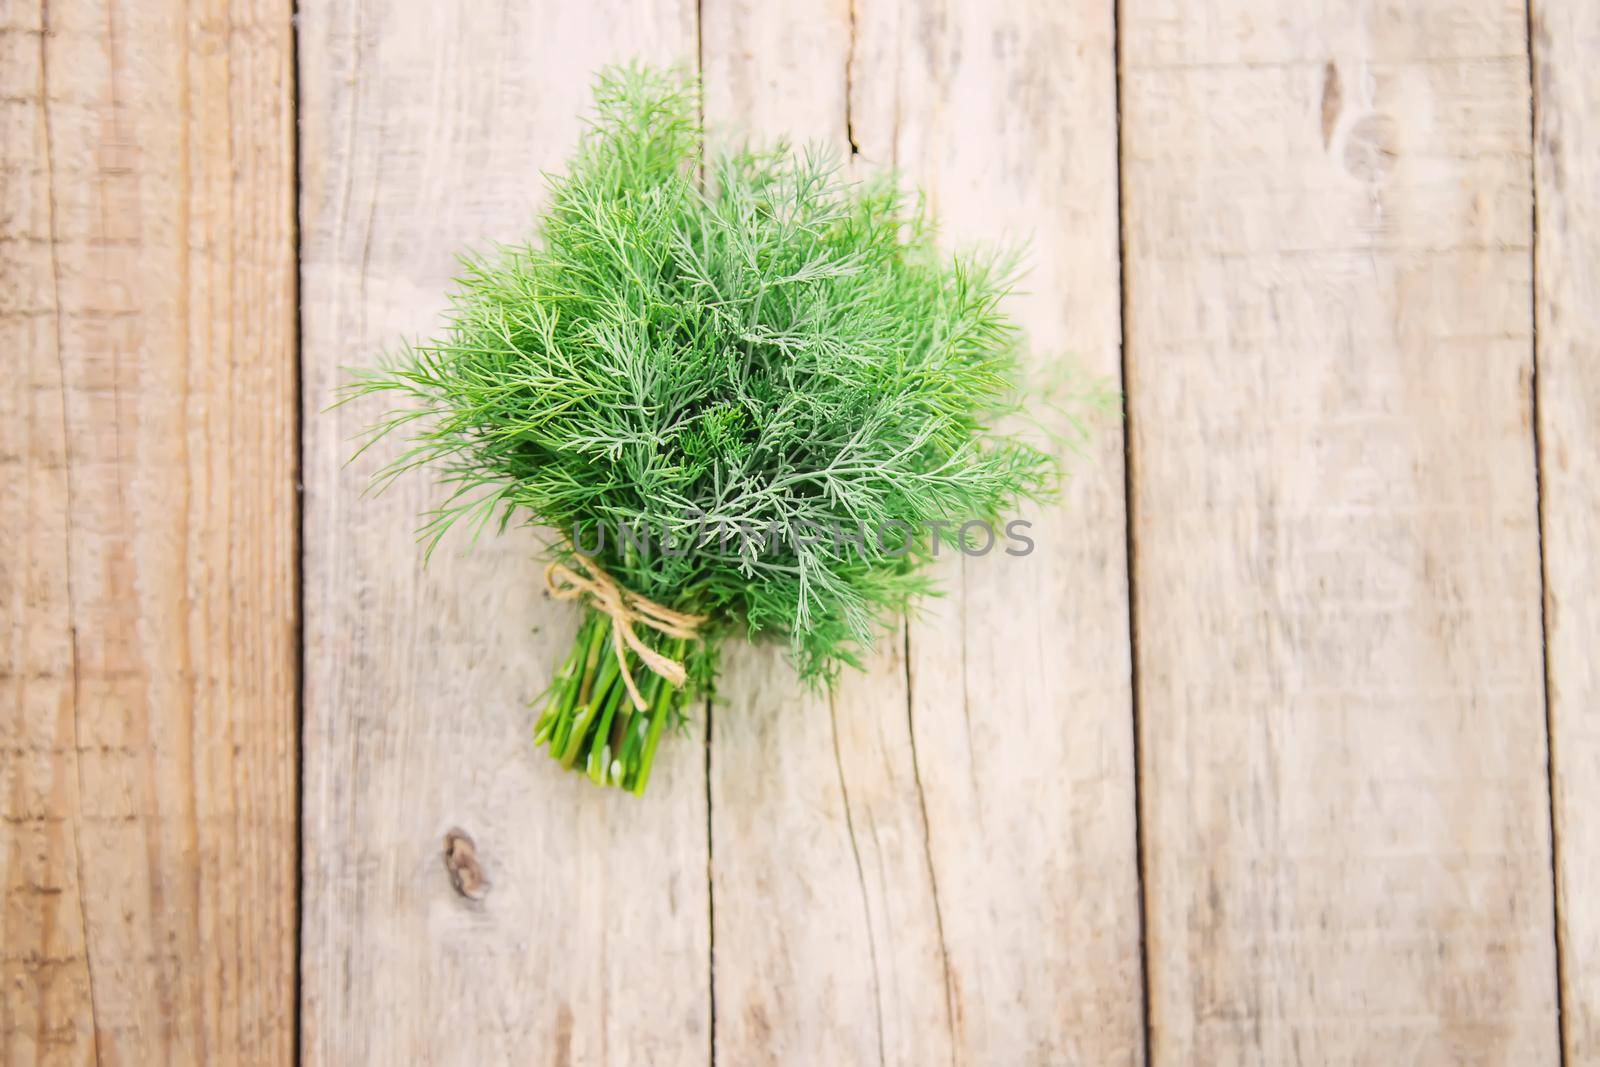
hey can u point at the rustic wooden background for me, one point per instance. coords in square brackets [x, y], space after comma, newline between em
[1284, 748]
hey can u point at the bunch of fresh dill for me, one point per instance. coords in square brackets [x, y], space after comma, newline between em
[744, 394]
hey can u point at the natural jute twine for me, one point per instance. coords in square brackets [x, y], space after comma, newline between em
[625, 608]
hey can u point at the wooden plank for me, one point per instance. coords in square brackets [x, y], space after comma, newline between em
[1327, 224]
[147, 533]
[425, 127]
[1022, 694]
[938, 864]
[826, 936]
[1566, 38]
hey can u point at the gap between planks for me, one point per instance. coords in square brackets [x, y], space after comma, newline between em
[1556, 927]
[1130, 550]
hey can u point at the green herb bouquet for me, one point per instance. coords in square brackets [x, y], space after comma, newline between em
[746, 394]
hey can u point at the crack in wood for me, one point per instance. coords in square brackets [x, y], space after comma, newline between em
[927, 847]
[67, 539]
[850, 83]
[861, 877]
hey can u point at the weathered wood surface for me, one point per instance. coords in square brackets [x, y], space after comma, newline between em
[1332, 274]
[147, 533]
[1566, 41]
[1021, 683]
[1336, 559]
[424, 130]
[826, 920]
[937, 864]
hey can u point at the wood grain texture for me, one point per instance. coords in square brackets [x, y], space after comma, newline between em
[826, 926]
[1566, 39]
[937, 863]
[1021, 686]
[424, 130]
[1327, 224]
[147, 533]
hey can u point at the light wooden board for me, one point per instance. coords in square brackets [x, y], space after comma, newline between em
[826, 936]
[1566, 40]
[1327, 223]
[1331, 277]
[1021, 680]
[424, 129]
[147, 533]
[938, 864]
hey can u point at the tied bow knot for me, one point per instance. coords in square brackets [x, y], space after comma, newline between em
[625, 608]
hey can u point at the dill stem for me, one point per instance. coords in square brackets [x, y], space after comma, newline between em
[560, 703]
[602, 682]
[658, 720]
[598, 631]
[619, 729]
[571, 681]
[633, 739]
[600, 748]
[590, 723]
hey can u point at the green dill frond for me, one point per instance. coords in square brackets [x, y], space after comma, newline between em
[743, 337]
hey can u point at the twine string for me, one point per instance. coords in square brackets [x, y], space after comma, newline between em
[625, 607]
